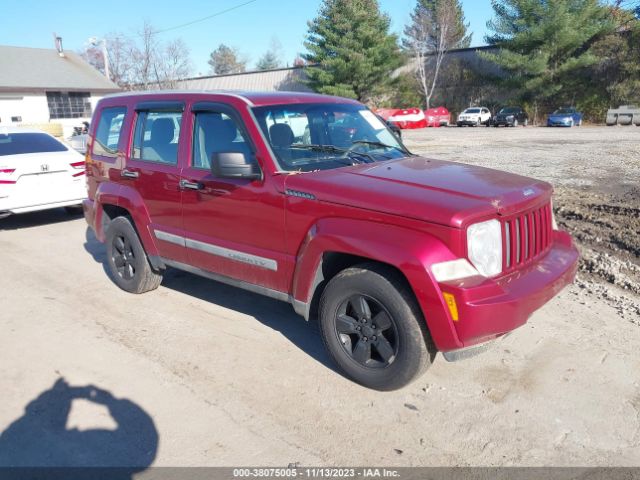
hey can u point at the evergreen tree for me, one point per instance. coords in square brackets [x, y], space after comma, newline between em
[271, 58]
[546, 45]
[350, 41]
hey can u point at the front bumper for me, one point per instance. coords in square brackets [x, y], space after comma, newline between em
[503, 121]
[558, 122]
[469, 123]
[489, 308]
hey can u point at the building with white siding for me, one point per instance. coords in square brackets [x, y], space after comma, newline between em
[39, 86]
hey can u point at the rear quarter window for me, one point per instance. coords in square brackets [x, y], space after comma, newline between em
[108, 132]
[28, 142]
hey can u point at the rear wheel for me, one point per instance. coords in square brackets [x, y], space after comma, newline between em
[526, 122]
[373, 328]
[127, 260]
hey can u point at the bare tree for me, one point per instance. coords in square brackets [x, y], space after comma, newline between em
[173, 65]
[436, 27]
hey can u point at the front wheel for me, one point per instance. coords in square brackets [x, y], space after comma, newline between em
[127, 260]
[515, 122]
[373, 328]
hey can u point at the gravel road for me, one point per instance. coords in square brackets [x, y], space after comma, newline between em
[198, 373]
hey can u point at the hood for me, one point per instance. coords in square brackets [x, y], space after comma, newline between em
[437, 191]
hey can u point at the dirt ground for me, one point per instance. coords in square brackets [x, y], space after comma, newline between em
[198, 373]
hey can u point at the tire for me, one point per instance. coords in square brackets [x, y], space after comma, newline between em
[579, 124]
[128, 263]
[73, 209]
[478, 123]
[515, 122]
[386, 356]
[459, 124]
[525, 123]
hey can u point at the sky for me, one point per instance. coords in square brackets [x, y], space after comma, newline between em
[249, 28]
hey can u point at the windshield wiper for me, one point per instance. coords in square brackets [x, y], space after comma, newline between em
[381, 144]
[334, 149]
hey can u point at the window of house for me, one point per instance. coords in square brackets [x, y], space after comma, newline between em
[69, 104]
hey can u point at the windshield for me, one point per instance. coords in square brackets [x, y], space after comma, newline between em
[320, 136]
[472, 110]
[510, 110]
[19, 143]
[561, 111]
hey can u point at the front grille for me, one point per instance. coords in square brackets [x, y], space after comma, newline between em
[525, 237]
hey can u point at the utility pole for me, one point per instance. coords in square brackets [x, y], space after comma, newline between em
[105, 56]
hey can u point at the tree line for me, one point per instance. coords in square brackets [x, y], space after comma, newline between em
[547, 53]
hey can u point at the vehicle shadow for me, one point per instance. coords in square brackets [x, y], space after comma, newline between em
[272, 313]
[36, 219]
[40, 439]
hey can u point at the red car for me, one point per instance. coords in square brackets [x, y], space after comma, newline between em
[415, 117]
[398, 255]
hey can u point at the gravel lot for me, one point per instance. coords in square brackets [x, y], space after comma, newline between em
[198, 373]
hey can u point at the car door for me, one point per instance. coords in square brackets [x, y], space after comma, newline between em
[234, 227]
[153, 170]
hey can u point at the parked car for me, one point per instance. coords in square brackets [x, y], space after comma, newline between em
[38, 172]
[564, 117]
[510, 117]
[438, 117]
[391, 126]
[474, 116]
[624, 115]
[404, 118]
[403, 255]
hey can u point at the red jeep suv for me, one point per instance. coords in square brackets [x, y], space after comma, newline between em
[312, 200]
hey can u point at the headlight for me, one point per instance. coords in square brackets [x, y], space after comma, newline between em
[484, 247]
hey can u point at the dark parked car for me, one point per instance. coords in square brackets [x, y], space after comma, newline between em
[564, 117]
[392, 126]
[510, 117]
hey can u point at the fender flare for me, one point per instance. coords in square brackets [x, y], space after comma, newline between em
[129, 199]
[410, 251]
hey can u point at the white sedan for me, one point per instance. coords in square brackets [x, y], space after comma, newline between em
[37, 172]
[474, 116]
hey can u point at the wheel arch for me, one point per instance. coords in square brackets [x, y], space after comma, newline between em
[335, 244]
[114, 201]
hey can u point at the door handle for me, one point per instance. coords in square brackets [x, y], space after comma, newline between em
[185, 184]
[129, 173]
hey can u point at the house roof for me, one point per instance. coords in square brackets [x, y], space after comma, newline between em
[37, 69]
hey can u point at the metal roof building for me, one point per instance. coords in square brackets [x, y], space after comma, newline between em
[281, 79]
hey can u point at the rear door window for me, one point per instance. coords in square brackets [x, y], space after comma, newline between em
[108, 131]
[156, 137]
[28, 142]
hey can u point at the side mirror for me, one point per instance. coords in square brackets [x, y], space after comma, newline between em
[234, 165]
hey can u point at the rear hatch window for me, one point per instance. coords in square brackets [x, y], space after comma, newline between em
[20, 143]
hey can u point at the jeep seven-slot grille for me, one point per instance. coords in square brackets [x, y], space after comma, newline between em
[525, 237]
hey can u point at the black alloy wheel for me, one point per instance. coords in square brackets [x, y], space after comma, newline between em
[123, 257]
[367, 331]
